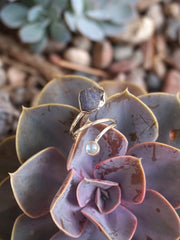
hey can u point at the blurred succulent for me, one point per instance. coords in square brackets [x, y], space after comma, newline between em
[98, 19]
[38, 20]
[129, 190]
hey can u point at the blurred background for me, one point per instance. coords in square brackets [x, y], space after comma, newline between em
[117, 40]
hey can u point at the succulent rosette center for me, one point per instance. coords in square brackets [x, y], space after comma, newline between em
[105, 194]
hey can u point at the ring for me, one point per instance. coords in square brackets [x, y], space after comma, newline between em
[90, 100]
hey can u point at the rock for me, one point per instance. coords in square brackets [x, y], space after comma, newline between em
[122, 52]
[138, 57]
[145, 31]
[175, 58]
[159, 68]
[156, 14]
[78, 56]
[2, 77]
[173, 10]
[137, 76]
[121, 77]
[123, 66]
[148, 52]
[153, 82]
[16, 76]
[102, 54]
[137, 31]
[82, 42]
[19, 96]
[173, 29]
[161, 45]
[143, 5]
[8, 115]
[172, 83]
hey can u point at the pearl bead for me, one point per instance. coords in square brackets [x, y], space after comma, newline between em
[92, 148]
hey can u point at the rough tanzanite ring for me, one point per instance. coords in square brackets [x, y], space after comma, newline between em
[90, 100]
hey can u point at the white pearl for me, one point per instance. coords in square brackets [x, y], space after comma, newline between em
[92, 148]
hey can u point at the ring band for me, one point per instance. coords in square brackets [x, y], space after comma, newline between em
[103, 120]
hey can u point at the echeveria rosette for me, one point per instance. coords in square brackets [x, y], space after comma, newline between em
[97, 178]
[38, 146]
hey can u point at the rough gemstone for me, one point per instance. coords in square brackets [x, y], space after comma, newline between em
[91, 99]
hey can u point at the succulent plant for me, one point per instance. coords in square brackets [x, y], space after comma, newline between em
[38, 20]
[129, 190]
[98, 19]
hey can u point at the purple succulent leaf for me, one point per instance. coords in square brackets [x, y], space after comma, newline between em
[8, 157]
[107, 200]
[65, 210]
[156, 218]
[112, 143]
[36, 182]
[86, 191]
[134, 119]
[28, 228]
[169, 124]
[119, 224]
[35, 131]
[9, 209]
[161, 164]
[90, 232]
[178, 211]
[128, 172]
[65, 90]
[112, 87]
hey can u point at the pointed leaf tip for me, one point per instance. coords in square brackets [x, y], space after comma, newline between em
[35, 131]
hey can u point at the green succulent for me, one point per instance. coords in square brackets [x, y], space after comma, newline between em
[39, 20]
[129, 190]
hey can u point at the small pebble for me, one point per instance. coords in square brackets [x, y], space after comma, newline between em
[172, 83]
[145, 30]
[138, 31]
[156, 14]
[2, 77]
[82, 43]
[143, 5]
[161, 45]
[122, 52]
[173, 29]
[16, 76]
[138, 57]
[78, 56]
[159, 68]
[175, 58]
[102, 54]
[148, 52]
[173, 10]
[137, 76]
[18, 96]
[153, 82]
[123, 66]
